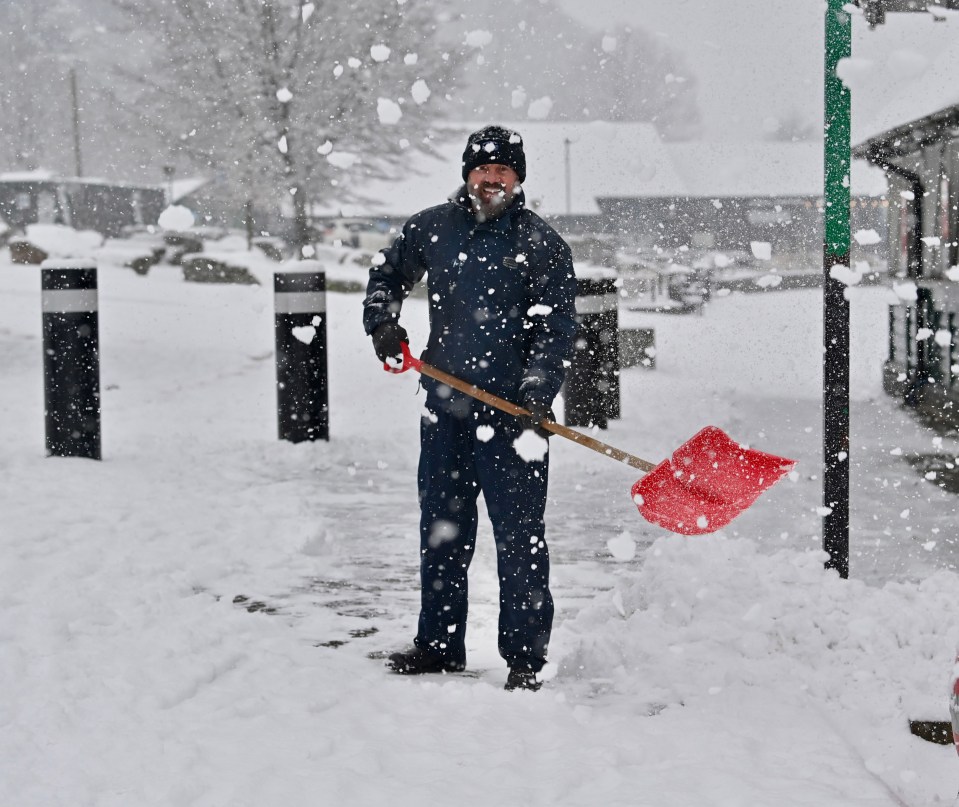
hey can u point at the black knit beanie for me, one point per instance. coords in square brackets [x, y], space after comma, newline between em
[495, 145]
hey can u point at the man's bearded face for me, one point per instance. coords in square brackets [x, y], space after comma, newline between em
[491, 189]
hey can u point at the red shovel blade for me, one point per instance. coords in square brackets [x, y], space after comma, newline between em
[709, 480]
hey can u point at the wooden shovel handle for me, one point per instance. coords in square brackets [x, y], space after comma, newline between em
[549, 425]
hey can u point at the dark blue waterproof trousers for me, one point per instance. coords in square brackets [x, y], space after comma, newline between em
[463, 452]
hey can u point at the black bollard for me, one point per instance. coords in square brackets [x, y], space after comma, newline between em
[301, 368]
[637, 348]
[592, 393]
[71, 358]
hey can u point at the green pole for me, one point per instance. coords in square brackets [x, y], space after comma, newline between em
[835, 305]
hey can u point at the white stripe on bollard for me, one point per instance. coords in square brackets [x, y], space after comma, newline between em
[596, 303]
[300, 302]
[68, 301]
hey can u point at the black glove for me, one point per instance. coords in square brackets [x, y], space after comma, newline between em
[537, 411]
[388, 340]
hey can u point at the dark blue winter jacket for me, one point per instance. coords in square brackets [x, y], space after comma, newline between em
[501, 296]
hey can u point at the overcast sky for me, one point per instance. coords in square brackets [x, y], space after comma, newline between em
[757, 61]
[754, 60]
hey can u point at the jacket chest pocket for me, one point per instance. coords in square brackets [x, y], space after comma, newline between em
[445, 270]
[497, 293]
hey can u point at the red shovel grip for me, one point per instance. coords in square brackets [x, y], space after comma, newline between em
[409, 362]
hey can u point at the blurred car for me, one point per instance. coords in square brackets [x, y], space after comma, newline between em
[359, 234]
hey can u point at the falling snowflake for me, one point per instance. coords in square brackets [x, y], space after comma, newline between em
[907, 291]
[304, 333]
[388, 111]
[867, 237]
[845, 275]
[420, 92]
[540, 108]
[342, 159]
[531, 447]
[768, 281]
[478, 39]
[485, 433]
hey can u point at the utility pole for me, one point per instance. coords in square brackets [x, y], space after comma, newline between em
[78, 162]
[835, 305]
[569, 191]
[169, 171]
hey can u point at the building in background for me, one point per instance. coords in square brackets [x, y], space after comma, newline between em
[84, 204]
[913, 135]
[921, 158]
[622, 183]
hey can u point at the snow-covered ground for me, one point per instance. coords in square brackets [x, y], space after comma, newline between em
[189, 621]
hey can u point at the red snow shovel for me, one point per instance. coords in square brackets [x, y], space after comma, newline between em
[709, 480]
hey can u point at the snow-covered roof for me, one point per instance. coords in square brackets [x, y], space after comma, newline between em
[186, 186]
[613, 160]
[902, 71]
[606, 159]
[26, 176]
[41, 175]
[737, 169]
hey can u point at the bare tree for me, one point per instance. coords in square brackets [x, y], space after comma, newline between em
[43, 45]
[636, 78]
[525, 51]
[290, 97]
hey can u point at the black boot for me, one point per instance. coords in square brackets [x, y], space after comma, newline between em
[416, 662]
[522, 678]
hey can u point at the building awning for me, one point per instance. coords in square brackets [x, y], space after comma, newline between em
[913, 136]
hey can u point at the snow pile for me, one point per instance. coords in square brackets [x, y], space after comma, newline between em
[189, 622]
[253, 266]
[128, 253]
[704, 614]
[58, 241]
[772, 655]
[176, 217]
